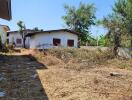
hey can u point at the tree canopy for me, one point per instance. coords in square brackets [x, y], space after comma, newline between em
[21, 29]
[119, 22]
[80, 19]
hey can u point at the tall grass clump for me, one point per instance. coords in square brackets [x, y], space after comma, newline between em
[66, 54]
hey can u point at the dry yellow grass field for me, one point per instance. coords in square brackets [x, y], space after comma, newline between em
[65, 74]
[80, 74]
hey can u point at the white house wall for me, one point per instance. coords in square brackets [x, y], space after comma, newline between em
[3, 35]
[46, 39]
[14, 36]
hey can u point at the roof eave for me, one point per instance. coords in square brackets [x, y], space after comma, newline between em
[65, 30]
[5, 9]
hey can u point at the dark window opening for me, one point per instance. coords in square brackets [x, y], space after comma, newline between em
[19, 41]
[70, 43]
[56, 42]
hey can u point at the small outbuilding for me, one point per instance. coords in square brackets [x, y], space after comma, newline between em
[53, 38]
[15, 38]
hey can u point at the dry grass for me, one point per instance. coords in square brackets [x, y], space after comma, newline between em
[71, 74]
[80, 74]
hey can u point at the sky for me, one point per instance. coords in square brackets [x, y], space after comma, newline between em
[47, 14]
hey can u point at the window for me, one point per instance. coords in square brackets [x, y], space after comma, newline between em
[70, 43]
[18, 41]
[56, 42]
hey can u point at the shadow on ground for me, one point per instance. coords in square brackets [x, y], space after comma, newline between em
[19, 78]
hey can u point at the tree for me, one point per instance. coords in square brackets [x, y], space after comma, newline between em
[119, 23]
[115, 27]
[36, 29]
[102, 41]
[22, 31]
[123, 8]
[80, 19]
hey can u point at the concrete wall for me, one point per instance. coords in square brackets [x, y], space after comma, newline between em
[45, 40]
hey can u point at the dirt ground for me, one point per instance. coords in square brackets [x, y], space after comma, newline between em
[19, 78]
[29, 77]
[83, 80]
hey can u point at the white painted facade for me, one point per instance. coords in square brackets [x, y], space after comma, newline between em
[45, 40]
[3, 34]
[13, 39]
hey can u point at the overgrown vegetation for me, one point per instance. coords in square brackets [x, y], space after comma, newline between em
[22, 31]
[82, 58]
[80, 19]
[119, 24]
[81, 54]
[76, 73]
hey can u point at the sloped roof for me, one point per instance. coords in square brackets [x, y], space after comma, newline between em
[26, 30]
[5, 9]
[6, 28]
[50, 31]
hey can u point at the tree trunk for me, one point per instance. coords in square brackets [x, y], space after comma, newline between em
[117, 43]
[131, 40]
[131, 45]
[24, 42]
[23, 39]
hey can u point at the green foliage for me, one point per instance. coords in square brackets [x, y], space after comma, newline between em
[36, 29]
[92, 42]
[123, 8]
[80, 19]
[22, 27]
[119, 24]
[115, 27]
[102, 40]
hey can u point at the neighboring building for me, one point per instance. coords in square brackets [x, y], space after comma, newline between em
[15, 38]
[3, 33]
[5, 13]
[5, 9]
[53, 38]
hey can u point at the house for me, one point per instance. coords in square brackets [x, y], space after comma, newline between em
[5, 13]
[15, 38]
[53, 38]
[3, 33]
[5, 9]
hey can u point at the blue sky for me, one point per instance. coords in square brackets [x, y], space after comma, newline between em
[46, 14]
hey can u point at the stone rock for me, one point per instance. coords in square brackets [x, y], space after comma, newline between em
[34, 76]
[115, 74]
[24, 81]
[28, 63]
[27, 68]
[124, 52]
[2, 78]
[2, 93]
